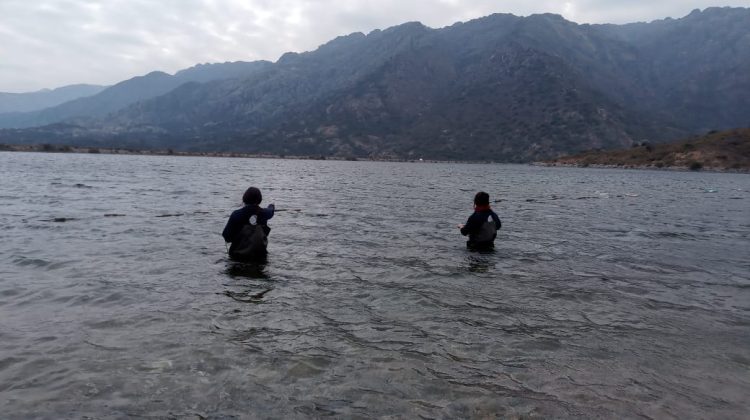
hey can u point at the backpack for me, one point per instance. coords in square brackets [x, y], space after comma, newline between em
[487, 232]
[252, 243]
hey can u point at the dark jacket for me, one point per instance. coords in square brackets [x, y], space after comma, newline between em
[480, 228]
[241, 217]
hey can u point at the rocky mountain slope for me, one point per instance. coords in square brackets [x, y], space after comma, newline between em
[131, 91]
[723, 151]
[501, 88]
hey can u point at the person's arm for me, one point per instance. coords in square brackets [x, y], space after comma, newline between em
[471, 225]
[498, 223]
[268, 211]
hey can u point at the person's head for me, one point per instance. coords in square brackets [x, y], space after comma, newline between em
[252, 196]
[482, 199]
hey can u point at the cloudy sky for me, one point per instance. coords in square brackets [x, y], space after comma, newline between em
[51, 43]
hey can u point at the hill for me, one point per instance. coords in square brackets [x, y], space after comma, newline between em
[502, 88]
[718, 151]
[33, 101]
[128, 92]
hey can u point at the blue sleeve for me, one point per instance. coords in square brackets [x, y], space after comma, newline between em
[268, 211]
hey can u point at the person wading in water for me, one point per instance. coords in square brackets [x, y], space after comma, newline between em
[482, 226]
[247, 228]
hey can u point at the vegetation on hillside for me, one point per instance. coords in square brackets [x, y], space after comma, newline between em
[717, 150]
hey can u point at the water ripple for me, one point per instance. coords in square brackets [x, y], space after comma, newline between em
[611, 294]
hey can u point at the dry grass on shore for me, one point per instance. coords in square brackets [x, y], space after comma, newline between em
[716, 151]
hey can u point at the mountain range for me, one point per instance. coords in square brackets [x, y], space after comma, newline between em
[125, 93]
[501, 88]
[46, 98]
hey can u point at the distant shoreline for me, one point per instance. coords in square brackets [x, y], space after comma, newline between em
[560, 163]
[46, 148]
[717, 151]
[641, 167]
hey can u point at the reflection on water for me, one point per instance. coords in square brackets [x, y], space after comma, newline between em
[247, 296]
[610, 294]
[248, 291]
[481, 261]
[251, 270]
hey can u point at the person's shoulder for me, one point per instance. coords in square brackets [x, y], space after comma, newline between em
[239, 212]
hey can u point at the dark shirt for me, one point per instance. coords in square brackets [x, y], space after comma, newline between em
[476, 221]
[241, 217]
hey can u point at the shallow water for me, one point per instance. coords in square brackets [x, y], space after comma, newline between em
[611, 293]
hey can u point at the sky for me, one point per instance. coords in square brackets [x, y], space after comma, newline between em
[52, 43]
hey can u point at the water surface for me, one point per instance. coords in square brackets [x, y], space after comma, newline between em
[611, 293]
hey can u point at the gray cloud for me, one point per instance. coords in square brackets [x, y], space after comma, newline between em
[49, 43]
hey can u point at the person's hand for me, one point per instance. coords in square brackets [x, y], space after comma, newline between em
[460, 226]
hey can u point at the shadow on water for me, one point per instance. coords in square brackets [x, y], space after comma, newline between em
[247, 296]
[253, 270]
[481, 261]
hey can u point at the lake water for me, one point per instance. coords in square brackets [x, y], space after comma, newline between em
[611, 293]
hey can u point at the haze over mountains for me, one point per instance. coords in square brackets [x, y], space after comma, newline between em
[32, 101]
[500, 88]
[128, 92]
